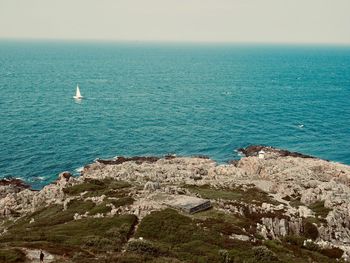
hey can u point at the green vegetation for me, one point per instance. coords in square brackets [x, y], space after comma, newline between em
[54, 214]
[100, 209]
[294, 240]
[105, 206]
[291, 249]
[91, 235]
[183, 237]
[11, 255]
[294, 200]
[108, 187]
[122, 201]
[205, 238]
[143, 247]
[319, 209]
[263, 254]
[250, 195]
[55, 230]
[167, 235]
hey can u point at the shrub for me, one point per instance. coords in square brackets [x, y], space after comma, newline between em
[332, 252]
[12, 255]
[89, 185]
[100, 209]
[87, 232]
[114, 232]
[251, 194]
[319, 209]
[142, 247]
[263, 254]
[310, 230]
[294, 240]
[99, 242]
[310, 245]
[225, 256]
[167, 226]
[276, 246]
[122, 201]
[97, 187]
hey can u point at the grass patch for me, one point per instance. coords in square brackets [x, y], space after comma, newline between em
[104, 208]
[294, 200]
[122, 201]
[319, 209]
[250, 195]
[100, 209]
[56, 231]
[54, 228]
[91, 233]
[169, 236]
[12, 255]
[88, 185]
[187, 238]
[108, 187]
[54, 214]
[143, 247]
[205, 238]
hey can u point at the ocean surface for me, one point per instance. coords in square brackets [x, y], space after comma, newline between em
[155, 99]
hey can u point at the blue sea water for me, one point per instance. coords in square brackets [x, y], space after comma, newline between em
[154, 99]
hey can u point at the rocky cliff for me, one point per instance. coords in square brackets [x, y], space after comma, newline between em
[271, 206]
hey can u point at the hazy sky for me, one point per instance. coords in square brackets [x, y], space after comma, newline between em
[321, 21]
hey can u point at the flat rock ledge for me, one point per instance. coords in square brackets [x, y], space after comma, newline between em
[301, 194]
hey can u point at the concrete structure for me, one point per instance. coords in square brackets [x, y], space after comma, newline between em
[261, 154]
[189, 204]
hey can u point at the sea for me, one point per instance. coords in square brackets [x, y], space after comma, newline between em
[153, 99]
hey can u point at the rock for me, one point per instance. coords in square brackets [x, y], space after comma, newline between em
[11, 185]
[254, 150]
[305, 212]
[240, 237]
[151, 186]
[96, 199]
[121, 159]
[196, 177]
[293, 184]
[64, 176]
[77, 216]
[99, 215]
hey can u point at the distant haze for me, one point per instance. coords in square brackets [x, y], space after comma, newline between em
[286, 21]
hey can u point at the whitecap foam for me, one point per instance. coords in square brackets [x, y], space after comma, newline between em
[34, 179]
[79, 169]
[239, 153]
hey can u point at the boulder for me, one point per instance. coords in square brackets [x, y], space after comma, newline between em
[151, 186]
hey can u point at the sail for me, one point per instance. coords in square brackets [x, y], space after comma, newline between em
[78, 95]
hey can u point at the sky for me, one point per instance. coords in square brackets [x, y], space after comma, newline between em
[261, 21]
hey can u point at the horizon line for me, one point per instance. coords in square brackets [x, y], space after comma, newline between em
[140, 41]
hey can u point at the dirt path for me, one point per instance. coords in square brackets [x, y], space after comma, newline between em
[33, 255]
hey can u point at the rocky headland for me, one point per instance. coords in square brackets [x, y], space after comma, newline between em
[270, 206]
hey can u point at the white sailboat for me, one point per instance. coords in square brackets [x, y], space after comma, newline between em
[77, 94]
